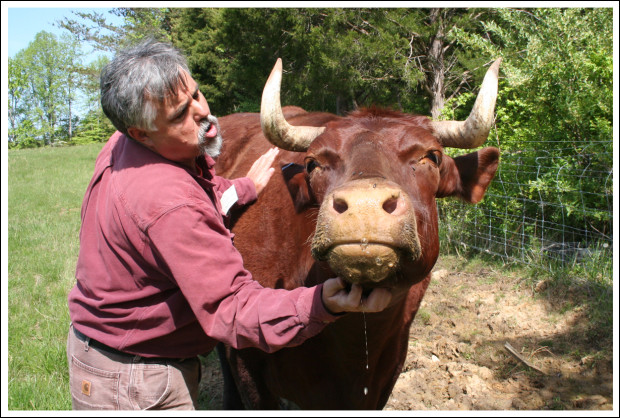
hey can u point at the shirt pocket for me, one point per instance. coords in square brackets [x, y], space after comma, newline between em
[93, 388]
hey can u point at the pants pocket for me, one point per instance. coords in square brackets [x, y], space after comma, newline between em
[149, 385]
[93, 388]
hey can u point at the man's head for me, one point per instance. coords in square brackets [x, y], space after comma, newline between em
[148, 93]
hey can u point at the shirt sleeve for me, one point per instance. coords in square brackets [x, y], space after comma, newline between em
[246, 191]
[196, 250]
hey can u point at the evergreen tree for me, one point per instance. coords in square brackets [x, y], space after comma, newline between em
[139, 23]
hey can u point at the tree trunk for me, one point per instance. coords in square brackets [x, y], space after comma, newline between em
[436, 64]
[70, 122]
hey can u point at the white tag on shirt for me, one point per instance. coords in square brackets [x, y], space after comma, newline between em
[229, 198]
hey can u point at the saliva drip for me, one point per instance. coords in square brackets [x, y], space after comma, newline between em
[366, 341]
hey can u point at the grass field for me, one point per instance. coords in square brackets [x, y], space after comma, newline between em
[46, 187]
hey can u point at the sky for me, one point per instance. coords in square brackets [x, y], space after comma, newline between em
[26, 19]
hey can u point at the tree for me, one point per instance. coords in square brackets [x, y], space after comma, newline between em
[94, 29]
[94, 125]
[17, 87]
[194, 30]
[45, 81]
[334, 59]
[448, 68]
[43, 85]
[71, 72]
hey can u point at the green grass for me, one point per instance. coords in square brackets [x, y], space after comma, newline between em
[45, 191]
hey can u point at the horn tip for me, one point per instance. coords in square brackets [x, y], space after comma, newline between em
[275, 77]
[496, 63]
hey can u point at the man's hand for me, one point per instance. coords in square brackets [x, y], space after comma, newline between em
[261, 171]
[336, 298]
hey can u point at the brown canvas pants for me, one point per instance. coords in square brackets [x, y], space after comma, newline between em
[104, 379]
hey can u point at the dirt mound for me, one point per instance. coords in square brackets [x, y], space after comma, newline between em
[459, 356]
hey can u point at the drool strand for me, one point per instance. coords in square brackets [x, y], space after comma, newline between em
[366, 341]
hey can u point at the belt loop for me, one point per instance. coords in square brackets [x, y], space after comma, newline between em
[86, 343]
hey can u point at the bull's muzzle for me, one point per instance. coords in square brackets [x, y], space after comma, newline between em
[364, 228]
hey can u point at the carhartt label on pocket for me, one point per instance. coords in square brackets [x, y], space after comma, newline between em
[228, 199]
[86, 387]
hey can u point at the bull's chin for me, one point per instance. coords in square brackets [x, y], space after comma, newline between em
[367, 264]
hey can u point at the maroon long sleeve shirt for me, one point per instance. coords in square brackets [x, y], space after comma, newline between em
[157, 272]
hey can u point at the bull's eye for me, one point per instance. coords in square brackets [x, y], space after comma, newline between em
[311, 165]
[435, 157]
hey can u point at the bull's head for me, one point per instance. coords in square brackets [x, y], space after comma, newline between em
[376, 174]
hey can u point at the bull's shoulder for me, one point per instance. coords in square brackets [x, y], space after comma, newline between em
[292, 111]
[242, 117]
[288, 111]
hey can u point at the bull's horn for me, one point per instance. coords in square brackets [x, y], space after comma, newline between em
[275, 127]
[474, 131]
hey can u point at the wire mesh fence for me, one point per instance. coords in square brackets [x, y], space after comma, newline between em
[547, 206]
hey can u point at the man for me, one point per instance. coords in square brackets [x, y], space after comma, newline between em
[159, 280]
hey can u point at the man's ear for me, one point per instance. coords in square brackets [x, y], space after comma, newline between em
[468, 176]
[139, 135]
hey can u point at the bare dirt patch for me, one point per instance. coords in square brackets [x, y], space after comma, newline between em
[458, 359]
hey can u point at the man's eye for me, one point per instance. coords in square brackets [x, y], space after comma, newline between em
[180, 116]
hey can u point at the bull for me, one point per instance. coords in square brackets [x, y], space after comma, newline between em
[355, 198]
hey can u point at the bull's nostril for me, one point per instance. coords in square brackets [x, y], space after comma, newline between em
[390, 205]
[340, 205]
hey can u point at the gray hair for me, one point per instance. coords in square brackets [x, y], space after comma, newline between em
[137, 79]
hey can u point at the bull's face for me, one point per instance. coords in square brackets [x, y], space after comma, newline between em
[375, 176]
[367, 225]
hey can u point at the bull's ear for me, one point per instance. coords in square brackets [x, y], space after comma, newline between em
[468, 176]
[297, 184]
